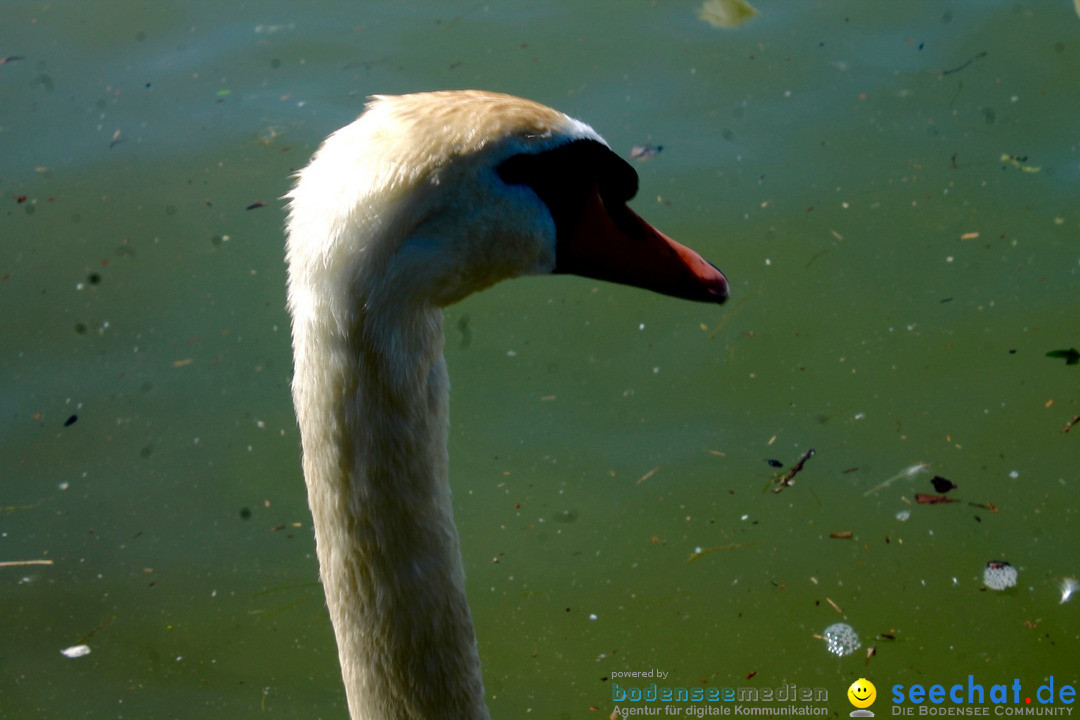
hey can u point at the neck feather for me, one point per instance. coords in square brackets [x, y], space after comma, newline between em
[372, 401]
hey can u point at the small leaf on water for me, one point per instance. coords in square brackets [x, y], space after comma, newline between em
[1070, 356]
[726, 14]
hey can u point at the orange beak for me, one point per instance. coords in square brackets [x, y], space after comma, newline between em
[617, 245]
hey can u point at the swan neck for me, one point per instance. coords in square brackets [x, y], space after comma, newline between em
[388, 549]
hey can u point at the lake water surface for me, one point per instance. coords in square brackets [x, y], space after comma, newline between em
[892, 188]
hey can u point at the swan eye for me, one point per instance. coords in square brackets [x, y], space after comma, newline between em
[564, 177]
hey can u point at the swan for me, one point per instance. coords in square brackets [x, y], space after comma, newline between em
[422, 200]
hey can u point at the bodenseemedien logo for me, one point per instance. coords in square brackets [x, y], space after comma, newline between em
[694, 700]
[862, 694]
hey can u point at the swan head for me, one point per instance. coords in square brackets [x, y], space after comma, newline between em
[428, 197]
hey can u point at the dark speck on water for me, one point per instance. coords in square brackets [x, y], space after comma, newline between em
[942, 485]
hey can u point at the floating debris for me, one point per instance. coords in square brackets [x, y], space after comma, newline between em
[958, 68]
[774, 463]
[942, 485]
[908, 472]
[999, 575]
[903, 515]
[1017, 161]
[841, 639]
[700, 551]
[641, 153]
[647, 475]
[1070, 356]
[20, 563]
[788, 479]
[1070, 584]
[927, 499]
[726, 14]
[76, 651]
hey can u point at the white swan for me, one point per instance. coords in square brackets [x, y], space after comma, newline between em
[422, 200]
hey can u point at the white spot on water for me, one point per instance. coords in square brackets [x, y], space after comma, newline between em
[1068, 586]
[841, 639]
[76, 651]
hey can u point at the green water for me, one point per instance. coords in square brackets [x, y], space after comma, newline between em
[836, 159]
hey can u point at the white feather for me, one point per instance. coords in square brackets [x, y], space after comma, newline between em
[399, 214]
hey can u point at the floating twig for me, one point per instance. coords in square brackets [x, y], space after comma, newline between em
[928, 499]
[958, 68]
[698, 552]
[788, 478]
[21, 563]
[105, 623]
[647, 475]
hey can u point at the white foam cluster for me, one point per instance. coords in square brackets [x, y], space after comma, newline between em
[841, 639]
[999, 575]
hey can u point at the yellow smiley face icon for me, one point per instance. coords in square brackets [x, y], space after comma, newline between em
[862, 693]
